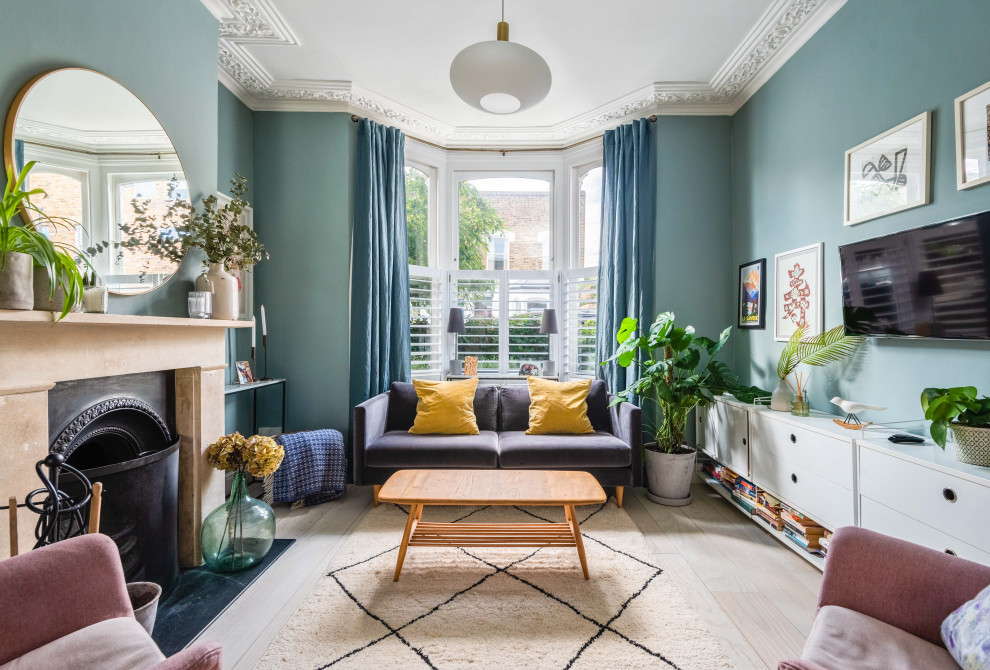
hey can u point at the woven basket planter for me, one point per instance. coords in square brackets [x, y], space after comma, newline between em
[972, 444]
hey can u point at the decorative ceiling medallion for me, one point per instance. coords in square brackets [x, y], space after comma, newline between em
[784, 28]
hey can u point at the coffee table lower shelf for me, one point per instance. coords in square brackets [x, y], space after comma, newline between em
[424, 534]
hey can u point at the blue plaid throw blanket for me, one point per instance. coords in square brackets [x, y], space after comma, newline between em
[314, 469]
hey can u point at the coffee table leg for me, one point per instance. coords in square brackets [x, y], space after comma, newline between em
[415, 512]
[576, 531]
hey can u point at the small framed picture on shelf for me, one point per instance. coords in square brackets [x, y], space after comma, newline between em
[529, 370]
[244, 375]
[752, 294]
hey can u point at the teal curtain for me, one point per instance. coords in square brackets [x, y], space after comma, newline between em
[379, 264]
[18, 156]
[625, 264]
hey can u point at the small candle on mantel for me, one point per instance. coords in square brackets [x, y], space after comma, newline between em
[264, 324]
[254, 338]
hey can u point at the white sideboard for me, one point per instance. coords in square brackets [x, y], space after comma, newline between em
[841, 477]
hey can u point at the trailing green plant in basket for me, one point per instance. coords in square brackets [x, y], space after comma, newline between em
[954, 405]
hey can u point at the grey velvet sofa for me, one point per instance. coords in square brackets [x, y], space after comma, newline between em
[383, 445]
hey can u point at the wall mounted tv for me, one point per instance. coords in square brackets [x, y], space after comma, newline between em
[925, 282]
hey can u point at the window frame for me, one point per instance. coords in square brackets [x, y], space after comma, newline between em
[562, 168]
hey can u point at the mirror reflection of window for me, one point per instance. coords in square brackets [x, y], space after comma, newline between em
[158, 194]
[65, 200]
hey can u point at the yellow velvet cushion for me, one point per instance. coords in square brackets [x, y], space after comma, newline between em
[445, 408]
[558, 407]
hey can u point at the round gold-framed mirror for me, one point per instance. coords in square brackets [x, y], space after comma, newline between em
[106, 164]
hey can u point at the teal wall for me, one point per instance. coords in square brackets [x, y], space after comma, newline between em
[303, 165]
[164, 52]
[694, 222]
[235, 155]
[875, 64]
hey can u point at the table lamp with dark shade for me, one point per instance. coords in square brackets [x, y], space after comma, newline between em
[455, 324]
[548, 326]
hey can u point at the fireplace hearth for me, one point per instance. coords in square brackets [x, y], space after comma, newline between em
[120, 431]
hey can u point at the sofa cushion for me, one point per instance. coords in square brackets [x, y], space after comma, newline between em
[513, 407]
[445, 408]
[402, 400]
[842, 638]
[558, 407]
[400, 449]
[112, 643]
[516, 449]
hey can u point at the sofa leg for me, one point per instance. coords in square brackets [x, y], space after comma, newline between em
[618, 497]
[374, 493]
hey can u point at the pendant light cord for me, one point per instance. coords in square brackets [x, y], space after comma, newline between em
[503, 11]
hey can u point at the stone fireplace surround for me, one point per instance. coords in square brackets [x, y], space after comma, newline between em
[35, 353]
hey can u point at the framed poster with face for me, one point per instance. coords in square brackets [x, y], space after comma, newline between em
[752, 295]
[889, 173]
[798, 291]
[973, 138]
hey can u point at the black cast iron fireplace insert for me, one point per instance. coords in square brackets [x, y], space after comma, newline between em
[120, 431]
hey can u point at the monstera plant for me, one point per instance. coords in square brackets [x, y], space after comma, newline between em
[678, 371]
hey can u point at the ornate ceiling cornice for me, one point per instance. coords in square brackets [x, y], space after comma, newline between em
[783, 29]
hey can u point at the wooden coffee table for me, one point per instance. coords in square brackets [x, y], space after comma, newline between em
[419, 488]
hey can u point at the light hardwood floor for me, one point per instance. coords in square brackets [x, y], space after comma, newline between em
[756, 597]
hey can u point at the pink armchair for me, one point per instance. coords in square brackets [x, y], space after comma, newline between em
[66, 605]
[882, 604]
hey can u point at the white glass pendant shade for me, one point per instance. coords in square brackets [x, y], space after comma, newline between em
[500, 77]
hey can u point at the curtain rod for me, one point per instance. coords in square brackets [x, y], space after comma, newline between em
[355, 118]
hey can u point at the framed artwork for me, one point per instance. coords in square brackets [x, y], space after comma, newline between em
[973, 138]
[244, 375]
[798, 291]
[529, 370]
[245, 278]
[889, 173]
[752, 295]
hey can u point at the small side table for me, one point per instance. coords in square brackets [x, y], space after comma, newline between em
[231, 389]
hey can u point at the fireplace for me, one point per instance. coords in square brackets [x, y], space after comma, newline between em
[120, 431]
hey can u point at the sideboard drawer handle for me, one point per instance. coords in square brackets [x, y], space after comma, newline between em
[950, 552]
[794, 478]
[793, 438]
[949, 495]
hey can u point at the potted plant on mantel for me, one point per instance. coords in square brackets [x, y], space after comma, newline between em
[966, 415]
[673, 378]
[228, 243]
[22, 247]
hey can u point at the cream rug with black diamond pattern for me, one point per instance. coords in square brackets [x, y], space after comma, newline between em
[495, 608]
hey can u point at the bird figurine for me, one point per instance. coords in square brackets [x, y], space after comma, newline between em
[852, 421]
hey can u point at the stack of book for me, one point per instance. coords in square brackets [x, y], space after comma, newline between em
[802, 530]
[712, 469]
[825, 541]
[728, 479]
[745, 493]
[768, 509]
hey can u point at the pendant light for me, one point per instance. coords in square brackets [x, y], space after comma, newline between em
[500, 76]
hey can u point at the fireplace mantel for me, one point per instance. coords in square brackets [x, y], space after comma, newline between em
[36, 353]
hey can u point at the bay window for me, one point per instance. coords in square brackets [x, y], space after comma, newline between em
[503, 238]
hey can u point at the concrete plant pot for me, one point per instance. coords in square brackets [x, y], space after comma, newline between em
[42, 301]
[17, 282]
[668, 476]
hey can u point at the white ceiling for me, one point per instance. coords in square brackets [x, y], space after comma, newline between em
[86, 101]
[390, 58]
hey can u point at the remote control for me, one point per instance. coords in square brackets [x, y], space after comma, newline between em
[902, 438]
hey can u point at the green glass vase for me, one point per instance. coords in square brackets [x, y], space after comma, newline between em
[240, 532]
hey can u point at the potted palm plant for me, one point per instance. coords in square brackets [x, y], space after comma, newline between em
[678, 372]
[967, 416]
[23, 246]
[817, 351]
